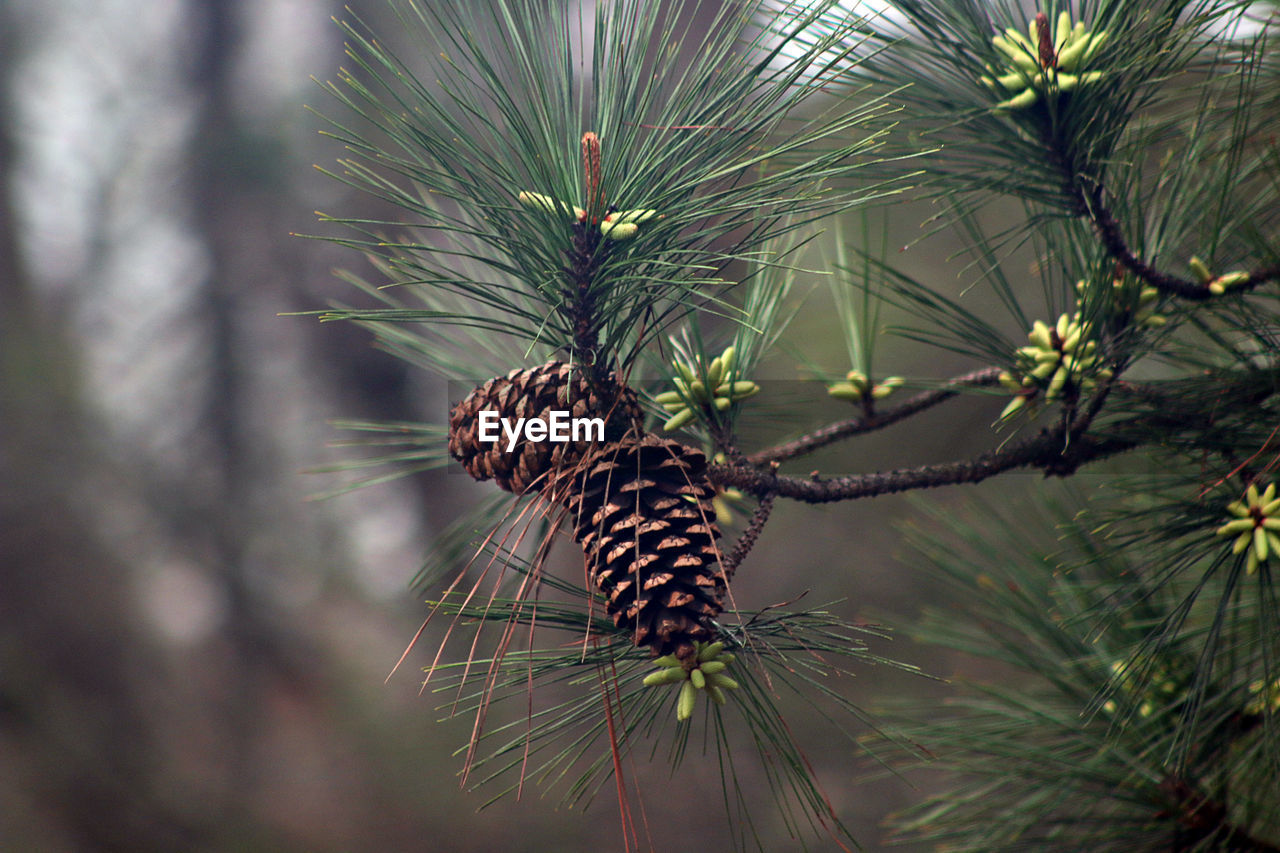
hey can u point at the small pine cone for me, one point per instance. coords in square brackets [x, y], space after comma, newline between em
[534, 393]
[642, 511]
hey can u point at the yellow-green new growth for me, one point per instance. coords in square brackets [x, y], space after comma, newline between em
[858, 388]
[1266, 697]
[705, 672]
[712, 387]
[1220, 284]
[1155, 691]
[1255, 522]
[1138, 301]
[725, 497]
[619, 225]
[1045, 63]
[1060, 362]
[625, 224]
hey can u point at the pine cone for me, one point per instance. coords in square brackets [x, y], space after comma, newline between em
[641, 510]
[534, 393]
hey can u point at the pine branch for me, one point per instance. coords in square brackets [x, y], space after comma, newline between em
[839, 430]
[1112, 236]
[1057, 451]
[747, 540]
[1204, 820]
[715, 160]
[1048, 451]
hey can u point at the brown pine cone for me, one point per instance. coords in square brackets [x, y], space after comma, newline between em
[534, 393]
[641, 509]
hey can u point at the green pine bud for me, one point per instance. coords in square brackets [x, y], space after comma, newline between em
[1040, 335]
[1014, 46]
[1066, 82]
[1236, 526]
[1057, 383]
[726, 358]
[723, 681]
[1015, 405]
[684, 704]
[1069, 56]
[1045, 369]
[715, 372]
[1020, 101]
[670, 675]
[615, 230]
[1243, 541]
[551, 205]
[1062, 31]
[709, 651]
[678, 420]
[1223, 283]
[1013, 80]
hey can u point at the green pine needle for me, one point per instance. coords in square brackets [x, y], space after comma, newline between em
[729, 152]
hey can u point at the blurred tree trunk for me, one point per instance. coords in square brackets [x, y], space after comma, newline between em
[75, 722]
[231, 170]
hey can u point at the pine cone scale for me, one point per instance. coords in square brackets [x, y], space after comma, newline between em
[642, 509]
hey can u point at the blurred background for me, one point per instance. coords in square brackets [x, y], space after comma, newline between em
[194, 654]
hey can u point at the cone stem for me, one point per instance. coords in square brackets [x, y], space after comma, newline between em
[1048, 56]
[591, 166]
[582, 263]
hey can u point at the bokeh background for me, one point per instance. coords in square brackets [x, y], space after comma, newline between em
[193, 652]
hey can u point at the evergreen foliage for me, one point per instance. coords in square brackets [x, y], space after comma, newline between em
[628, 190]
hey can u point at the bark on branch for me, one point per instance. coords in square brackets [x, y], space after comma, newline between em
[840, 430]
[1049, 452]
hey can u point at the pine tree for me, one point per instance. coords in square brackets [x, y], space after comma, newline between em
[605, 215]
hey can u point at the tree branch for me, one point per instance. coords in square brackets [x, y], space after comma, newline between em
[747, 540]
[1203, 819]
[1048, 451]
[1113, 239]
[856, 426]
